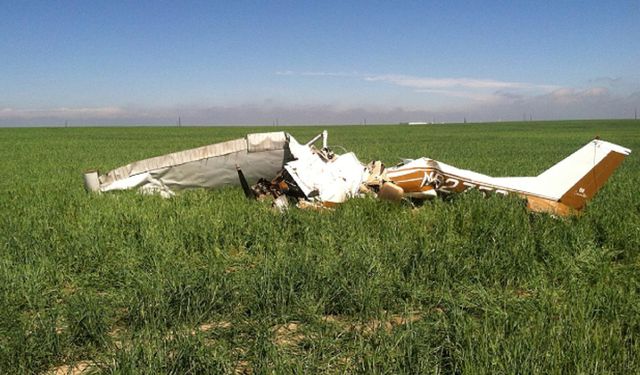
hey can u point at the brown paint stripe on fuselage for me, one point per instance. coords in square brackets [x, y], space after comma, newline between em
[414, 178]
[537, 204]
[578, 195]
[410, 182]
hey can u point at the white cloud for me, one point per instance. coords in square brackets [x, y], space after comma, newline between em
[426, 82]
[455, 83]
[568, 95]
[477, 96]
[474, 89]
[62, 113]
[621, 85]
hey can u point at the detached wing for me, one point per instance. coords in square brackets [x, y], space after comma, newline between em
[260, 155]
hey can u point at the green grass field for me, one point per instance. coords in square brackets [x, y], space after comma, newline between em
[208, 282]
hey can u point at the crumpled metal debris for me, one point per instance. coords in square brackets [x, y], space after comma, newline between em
[319, 178]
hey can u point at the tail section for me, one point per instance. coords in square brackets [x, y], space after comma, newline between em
[577, 178]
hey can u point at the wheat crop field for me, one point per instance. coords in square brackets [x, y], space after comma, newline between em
[209, 282]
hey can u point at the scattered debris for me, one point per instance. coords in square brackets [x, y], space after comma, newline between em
[318, 178]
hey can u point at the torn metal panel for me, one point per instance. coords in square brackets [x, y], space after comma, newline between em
[391, 192]
[333, 181]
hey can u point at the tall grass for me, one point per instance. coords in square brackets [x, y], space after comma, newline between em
[207, 282]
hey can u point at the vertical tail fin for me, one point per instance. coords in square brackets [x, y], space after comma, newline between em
[577, 178]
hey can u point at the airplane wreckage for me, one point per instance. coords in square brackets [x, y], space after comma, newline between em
[276, 166]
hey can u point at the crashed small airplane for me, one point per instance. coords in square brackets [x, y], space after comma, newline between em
[276, 166]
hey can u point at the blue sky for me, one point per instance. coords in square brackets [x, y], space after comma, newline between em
[138, 62]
